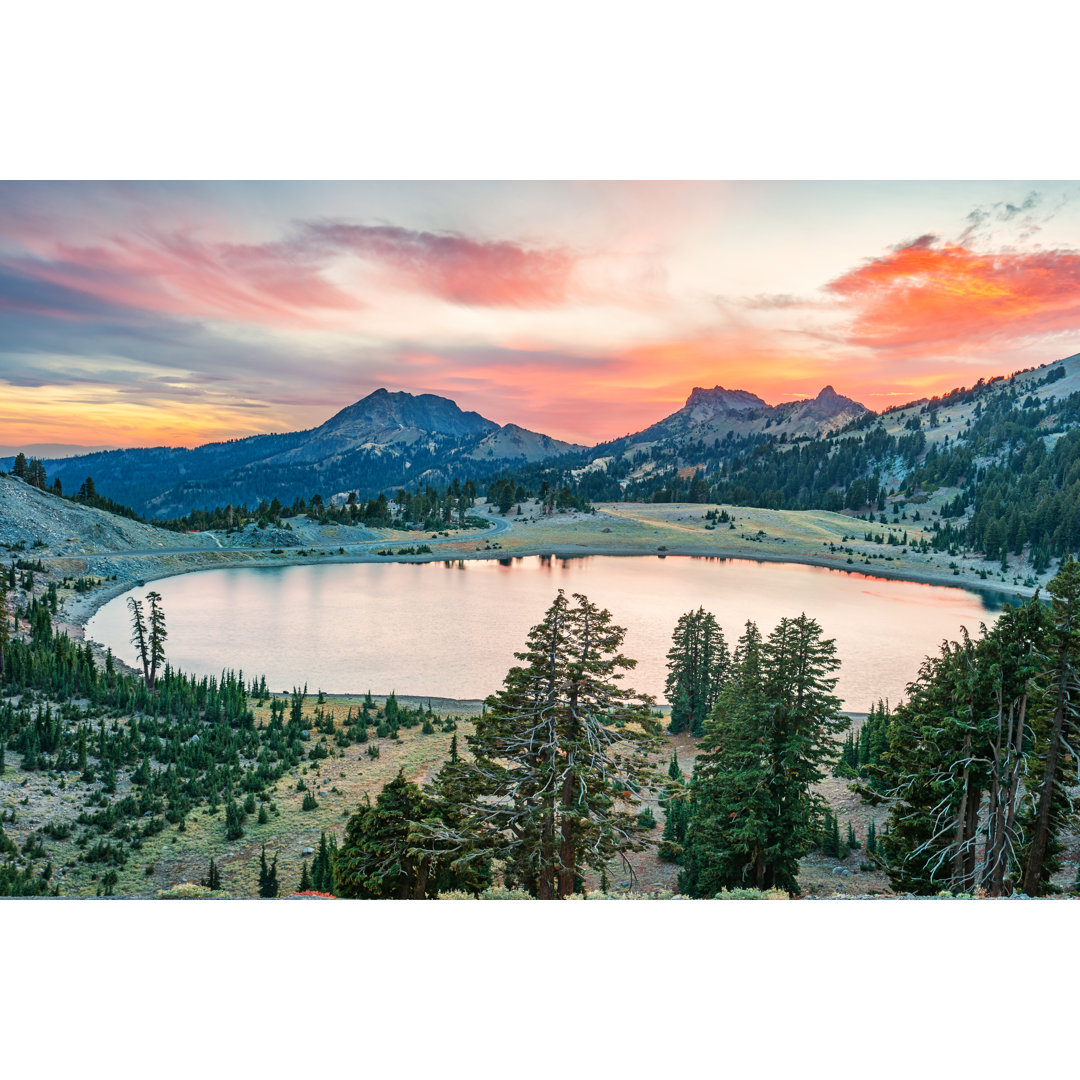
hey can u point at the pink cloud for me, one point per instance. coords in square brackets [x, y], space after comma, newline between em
[285, 282]
[454, 267]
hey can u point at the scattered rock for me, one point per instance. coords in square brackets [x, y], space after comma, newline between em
[308, 851]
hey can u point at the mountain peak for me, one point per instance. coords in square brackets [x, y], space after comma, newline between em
[720, 398]
[384, 410]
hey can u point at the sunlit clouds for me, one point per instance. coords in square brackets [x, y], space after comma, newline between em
[179, 313]
[930, 295]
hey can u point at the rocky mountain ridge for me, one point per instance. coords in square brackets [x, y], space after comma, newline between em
[724, 414]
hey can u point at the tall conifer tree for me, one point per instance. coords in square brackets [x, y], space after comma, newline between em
[772, 738]
[697, 665]
[559, 754]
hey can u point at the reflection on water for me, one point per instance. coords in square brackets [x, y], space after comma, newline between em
[449, 629]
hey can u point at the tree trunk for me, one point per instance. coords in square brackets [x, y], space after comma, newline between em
[993, 824]
[970, 827]
[545, 879]
[959, 858]
[422, 871]
[1033, 872]
[567, 855]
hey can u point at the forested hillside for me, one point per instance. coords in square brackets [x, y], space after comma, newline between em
[1001, 457]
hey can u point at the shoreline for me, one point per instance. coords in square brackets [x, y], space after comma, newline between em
[80, 608]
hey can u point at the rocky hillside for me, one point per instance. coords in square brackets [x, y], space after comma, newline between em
[47, 525]
[512, 443]
[725, 414]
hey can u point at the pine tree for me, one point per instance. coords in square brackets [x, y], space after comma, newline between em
[322, 867]
[697, 665]
[139, 637]
[234, 821]
[1054, 768]
[157, 636]
[726, 837]
[677, 818]
[557, 756]
[305, 880]
[772, 736]
[212, 881]
[958, 751]
[268, 879]
[35, 473]
[830, 837]
[378, 859]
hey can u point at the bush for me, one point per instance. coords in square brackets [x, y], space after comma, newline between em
[496, 892]
[309, 802]
[234, 821]
[669, 851]
[751, 894]
[188, 890]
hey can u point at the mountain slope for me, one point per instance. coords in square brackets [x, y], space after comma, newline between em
[513, 443]
[41, 520]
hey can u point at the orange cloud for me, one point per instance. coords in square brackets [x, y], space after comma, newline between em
[942, 296]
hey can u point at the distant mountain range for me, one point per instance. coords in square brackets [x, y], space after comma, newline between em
[391, 440]
[996, 465]
[380, 443]
[50, 450]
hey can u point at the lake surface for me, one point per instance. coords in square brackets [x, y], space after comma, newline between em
[451, 629]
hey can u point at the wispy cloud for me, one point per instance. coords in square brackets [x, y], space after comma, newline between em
[453, 267]
[285, 282]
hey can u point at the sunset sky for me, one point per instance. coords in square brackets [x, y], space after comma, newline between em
[143, 314]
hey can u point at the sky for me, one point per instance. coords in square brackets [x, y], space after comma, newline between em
[143, 314]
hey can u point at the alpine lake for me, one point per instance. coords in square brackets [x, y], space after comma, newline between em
[449, 629]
